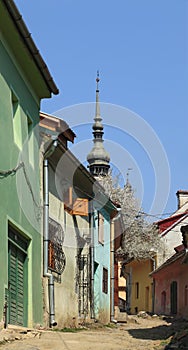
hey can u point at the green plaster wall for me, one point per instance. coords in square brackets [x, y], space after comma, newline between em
[19, 192]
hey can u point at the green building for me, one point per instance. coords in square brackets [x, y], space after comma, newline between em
[24, 81]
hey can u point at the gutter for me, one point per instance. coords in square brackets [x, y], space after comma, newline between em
[47, 154]
[32, 48]
[153, 286]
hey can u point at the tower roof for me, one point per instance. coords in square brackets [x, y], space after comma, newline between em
[98, 158]
[128, 186]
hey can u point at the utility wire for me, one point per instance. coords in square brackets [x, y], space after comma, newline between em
[13, 171]
[4, 173]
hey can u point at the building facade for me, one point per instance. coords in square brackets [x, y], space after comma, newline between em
[23, 84]
[171, 286]
[81, 213]
[139, 285]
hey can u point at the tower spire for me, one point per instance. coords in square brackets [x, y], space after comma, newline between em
[97, 80]
[128, 185]
[98, 158]
[97, 111]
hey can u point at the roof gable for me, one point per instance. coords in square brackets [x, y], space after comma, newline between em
[170, 222]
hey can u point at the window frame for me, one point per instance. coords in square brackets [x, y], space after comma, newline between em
[137, 290]
[100, 228]
[105, 280]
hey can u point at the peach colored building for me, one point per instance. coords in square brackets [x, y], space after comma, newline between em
[171, 286]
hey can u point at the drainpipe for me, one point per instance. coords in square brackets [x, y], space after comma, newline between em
[92, 262]
[153, 287]
[112, 271]
[46, 235]
[154, 263]
[112, 253]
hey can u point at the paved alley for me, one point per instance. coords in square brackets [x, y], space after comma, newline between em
[142, 335]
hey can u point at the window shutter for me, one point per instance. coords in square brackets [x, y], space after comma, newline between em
[105, 281]
[80, 207]
[51, 261]
[77, 206]
[68, 200]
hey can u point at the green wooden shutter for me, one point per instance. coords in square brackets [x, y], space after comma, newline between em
[17, 292]
[12, 284]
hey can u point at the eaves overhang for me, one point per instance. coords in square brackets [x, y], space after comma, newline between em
[58, 126]
[173, 225]
[82, 180]
[30, 45]
[170, 261]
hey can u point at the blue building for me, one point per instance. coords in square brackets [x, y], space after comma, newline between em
[103, 212]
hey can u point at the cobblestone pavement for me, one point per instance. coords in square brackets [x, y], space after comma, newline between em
[146, 334]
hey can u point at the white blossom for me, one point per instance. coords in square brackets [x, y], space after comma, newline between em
[140, 239]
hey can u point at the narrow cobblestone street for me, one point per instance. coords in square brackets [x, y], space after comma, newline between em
[142, 334]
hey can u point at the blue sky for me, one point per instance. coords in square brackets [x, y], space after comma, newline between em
[141, 50]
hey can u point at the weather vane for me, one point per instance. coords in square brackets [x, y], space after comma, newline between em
[97, 79]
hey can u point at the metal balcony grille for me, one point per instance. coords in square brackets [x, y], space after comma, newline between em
[56, 255]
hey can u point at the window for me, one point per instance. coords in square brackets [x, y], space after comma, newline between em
[17, 123]
[137, 290]
[29, 125]
[100, 228]
[105, 281]
[30, 140]
[14, 104]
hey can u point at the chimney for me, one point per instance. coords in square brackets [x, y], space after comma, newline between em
[182, 197]
[184, 231]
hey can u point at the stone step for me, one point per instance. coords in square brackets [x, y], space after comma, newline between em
[122, 317]
[19, 328]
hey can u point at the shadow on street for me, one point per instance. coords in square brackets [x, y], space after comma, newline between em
[177, 328]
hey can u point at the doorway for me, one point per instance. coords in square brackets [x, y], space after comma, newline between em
[173, 297]
[147, 299]
[17, 278]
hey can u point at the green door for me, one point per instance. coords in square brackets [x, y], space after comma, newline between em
[17, 283]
